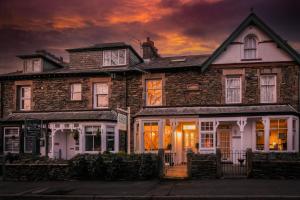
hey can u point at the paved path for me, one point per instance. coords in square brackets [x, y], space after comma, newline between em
[184, 189]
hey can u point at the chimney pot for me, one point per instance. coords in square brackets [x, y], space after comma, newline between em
[149, 50]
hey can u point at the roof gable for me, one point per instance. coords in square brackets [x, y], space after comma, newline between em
[252, 19]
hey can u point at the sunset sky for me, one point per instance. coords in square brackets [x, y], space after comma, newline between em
[176, 26]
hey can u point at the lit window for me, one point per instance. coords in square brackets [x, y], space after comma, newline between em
[278, 135]
[250, 47]
[25, 98]
[114, 57]
[110, 138]
[151, 136]
[207, 135]
[268, 89]
[260, 136]
[100, 95]
[233, 90]
[11, 140]
[294, 133]
[92, 138]
[76, 92]
[154, 92]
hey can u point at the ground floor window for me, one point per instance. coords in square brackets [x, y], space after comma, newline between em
[260, 136]
[151, 136]
[110, 138]
[92, 138]
[11, 140]
[278, 135]
[207, 135]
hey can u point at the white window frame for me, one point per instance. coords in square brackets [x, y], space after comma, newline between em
[21, 99]
[250, 49]
[73, 92]
[210, 132]
[94, 135]
[226, 90]
[287, 134]
[110, 58]
[158, 126]
[275, 88]
[111, 134]
[4, 136]
[146, 90]
[95, 95]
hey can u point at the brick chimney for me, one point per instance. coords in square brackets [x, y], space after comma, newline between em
[149, 50]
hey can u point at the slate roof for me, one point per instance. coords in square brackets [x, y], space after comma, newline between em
[174, 62]
[217, 110]
[96, 115]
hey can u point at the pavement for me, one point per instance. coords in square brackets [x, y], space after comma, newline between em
[180, 189]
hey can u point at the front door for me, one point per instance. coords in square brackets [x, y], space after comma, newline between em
[225, 144]
[189, 133]
[70, 146]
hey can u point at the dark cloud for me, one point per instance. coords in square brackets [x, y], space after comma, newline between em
[177, 26]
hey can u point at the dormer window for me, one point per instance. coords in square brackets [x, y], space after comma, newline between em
[250, 47]
[32, 65]
[114, 57]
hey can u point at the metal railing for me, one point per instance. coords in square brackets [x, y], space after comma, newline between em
[169, 159]
[234, 163]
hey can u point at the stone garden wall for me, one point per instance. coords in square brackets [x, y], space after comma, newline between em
[275, 166]
[203, 166]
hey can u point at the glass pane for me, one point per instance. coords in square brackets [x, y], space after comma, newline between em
[154, 137]
[274, 124]
[27, 104]
[114, 58]
[107, 58]
[167, 137]
[147, 141]
[76, 88]
[76, 96]
[283, 124]
[97, 143]
[122, 57]
[89, 143]
[28, 144]
[110, 143]
[102, 101]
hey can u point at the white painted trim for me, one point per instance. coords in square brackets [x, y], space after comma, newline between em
[240, 100]
[110, 65]
[260, 90]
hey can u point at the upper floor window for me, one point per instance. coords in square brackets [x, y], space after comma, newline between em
[114, 57]
[250, 47]
[24, 98]
[268, 89]
[100, 95]
[32, 65]
[154, 92]
[76, 91]
[233, 90]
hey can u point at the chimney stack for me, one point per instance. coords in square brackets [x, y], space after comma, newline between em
[149, 50]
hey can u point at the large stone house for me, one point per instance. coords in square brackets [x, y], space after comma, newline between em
[244, 95]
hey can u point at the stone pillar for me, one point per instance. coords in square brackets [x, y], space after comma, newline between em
[218, 163]
[266, 122]
[189, 156]
[161, 163]
[249, 159]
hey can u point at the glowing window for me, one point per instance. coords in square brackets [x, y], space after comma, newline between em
[260, 136]
[207, 135]
[278, 135]
[151, 136]
[154, 92]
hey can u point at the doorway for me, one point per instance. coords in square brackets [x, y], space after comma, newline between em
[225, 144]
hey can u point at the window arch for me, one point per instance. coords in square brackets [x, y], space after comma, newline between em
[250, 47]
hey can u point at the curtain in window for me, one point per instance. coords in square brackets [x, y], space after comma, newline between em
[268, 89]
[233, 89]
[76, 91]
[250, 47]
[154, 92]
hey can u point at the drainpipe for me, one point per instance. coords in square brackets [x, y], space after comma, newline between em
[1, 100]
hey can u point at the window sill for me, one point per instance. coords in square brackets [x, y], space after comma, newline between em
[251, 59]
[75, 100]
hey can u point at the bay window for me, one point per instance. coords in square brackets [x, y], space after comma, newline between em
[114, 57]
[100, 95]
[268, 89]
[110, 138]
[151, 136]
[24, 98]
[278, 135]
[76, 92]
[233, 90]
[92, 138]
[154, 92]
[11, 139]
[207, 135]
